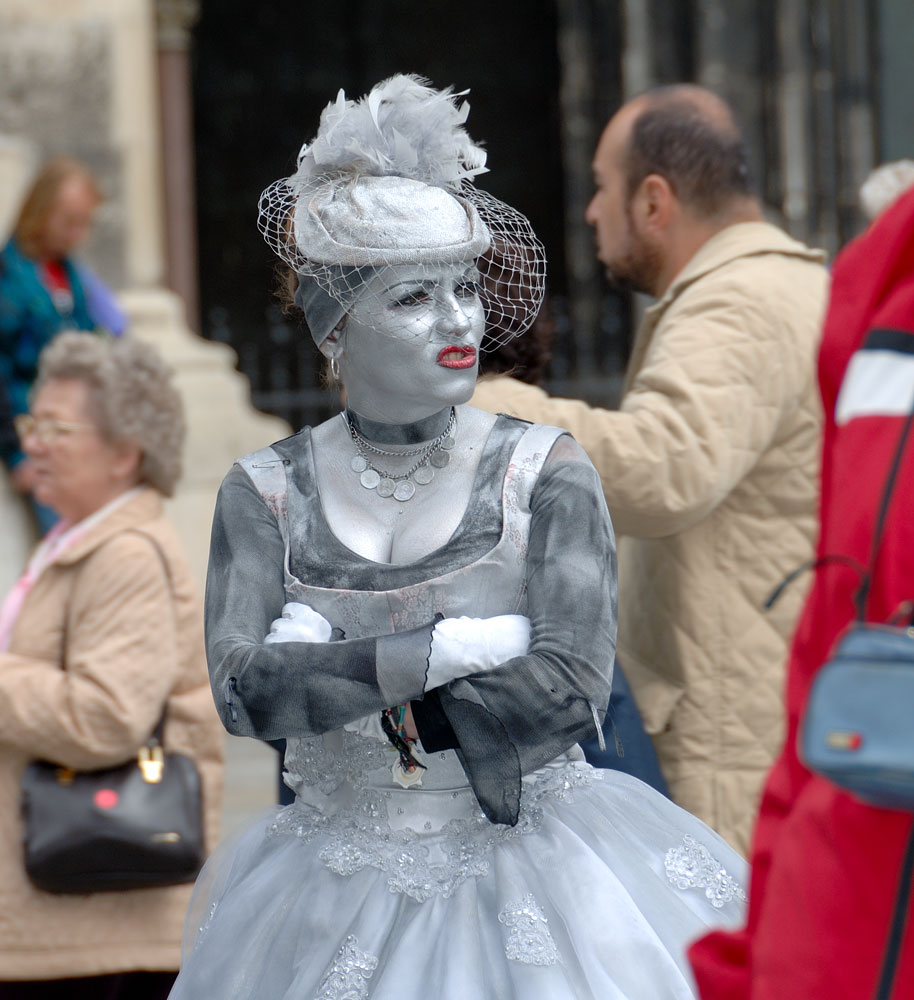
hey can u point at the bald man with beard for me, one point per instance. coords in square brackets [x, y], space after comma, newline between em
[709, 466]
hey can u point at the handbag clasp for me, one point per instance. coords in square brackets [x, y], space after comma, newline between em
[151, 762]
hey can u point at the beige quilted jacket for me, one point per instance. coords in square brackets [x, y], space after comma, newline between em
[710, 473]
[130, 639]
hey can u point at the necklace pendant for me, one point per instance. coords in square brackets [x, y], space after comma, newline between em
[370, 479]
[435, 454]
[404, 490]
[404, 778]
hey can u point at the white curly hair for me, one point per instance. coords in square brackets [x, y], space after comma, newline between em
[132, 397]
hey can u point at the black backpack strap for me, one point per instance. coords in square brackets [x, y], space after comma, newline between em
[896, 931]
[864, 591]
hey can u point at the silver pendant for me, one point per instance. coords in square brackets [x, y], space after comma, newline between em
[404, 490]
[369, 479]
[404, 778]
[434, 455]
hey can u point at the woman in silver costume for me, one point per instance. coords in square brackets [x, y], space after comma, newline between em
[420, 598]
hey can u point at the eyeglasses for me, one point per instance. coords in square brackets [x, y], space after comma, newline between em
[46, 429]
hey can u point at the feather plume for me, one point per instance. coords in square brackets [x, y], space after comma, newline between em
[403, 127]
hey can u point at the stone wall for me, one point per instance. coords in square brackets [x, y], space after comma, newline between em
[17, 161]
[78, 78]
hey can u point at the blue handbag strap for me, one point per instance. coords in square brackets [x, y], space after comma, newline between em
[864, 592]
[896, 931]
[903, 896]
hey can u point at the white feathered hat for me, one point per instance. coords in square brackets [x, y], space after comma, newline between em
[378, 221]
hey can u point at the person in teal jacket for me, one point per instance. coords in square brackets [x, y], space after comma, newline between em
[44, 291]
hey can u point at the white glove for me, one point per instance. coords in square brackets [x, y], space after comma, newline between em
[462, 646]
[299, 623]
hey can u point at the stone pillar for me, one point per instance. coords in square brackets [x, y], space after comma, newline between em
[17, 162]
[17, 159]
[895, 29]
[174, 22]
[579, 138]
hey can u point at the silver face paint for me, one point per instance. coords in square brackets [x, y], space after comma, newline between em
[410, 344]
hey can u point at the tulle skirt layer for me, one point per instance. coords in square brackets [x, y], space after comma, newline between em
[596, 899]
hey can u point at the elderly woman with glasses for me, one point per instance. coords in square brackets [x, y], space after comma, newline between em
[100, 636]
[420, 597]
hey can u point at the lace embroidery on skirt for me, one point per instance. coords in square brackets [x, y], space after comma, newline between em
[347, 978]
[692, 866]
[529, 940]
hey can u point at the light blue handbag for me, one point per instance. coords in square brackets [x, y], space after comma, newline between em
[858, 730]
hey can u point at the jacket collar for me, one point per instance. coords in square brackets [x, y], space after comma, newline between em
[146, 506]
[743, 239]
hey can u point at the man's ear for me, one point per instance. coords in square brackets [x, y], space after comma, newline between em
[654, 204]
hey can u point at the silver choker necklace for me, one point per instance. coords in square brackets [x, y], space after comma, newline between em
[430, 456]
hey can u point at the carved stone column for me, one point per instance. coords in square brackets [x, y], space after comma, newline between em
[17, 537]
[174, 22]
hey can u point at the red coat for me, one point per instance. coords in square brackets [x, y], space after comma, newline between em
[825, 866]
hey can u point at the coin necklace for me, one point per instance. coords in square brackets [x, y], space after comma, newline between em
[432, 455]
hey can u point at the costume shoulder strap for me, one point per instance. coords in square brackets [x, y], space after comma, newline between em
[267, 471]
[526, 463]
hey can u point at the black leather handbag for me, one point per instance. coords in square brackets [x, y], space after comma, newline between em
[134, 826]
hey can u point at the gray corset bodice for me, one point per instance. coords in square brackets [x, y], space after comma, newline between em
[490, 584]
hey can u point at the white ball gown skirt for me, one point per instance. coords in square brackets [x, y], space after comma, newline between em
[362, 889]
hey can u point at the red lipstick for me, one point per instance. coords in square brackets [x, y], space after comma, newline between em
[457, 356]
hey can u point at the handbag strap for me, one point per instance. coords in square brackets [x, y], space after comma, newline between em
[903, 895]
[864, 592]
[157, 736]
[896, 931]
